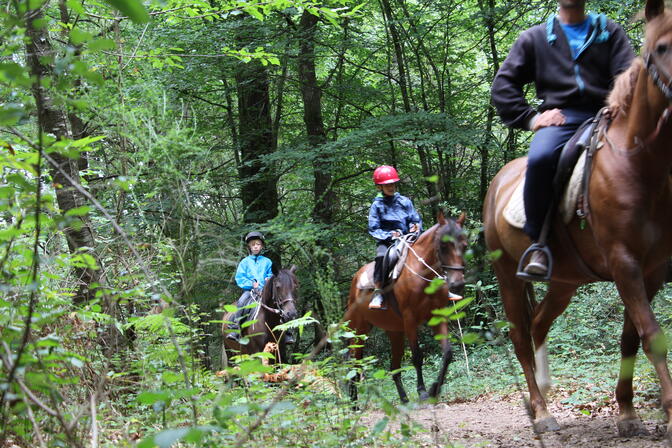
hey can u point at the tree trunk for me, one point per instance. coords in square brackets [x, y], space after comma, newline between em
[484, 148]
[53, 120]
[311, 93]
[255, 134]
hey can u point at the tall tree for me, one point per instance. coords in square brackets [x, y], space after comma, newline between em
[311, 92]
[255, 132]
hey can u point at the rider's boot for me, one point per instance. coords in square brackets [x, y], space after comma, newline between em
[538, 264]
[377, 299]
[234, 333]
[288, 338]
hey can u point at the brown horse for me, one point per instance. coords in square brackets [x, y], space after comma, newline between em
[628, 238]
[277, 306]
[437, 253]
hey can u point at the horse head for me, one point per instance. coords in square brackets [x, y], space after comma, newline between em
[451, 243]
[280, 294]
[657, 50]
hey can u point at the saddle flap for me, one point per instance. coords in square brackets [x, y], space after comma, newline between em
[571, 152]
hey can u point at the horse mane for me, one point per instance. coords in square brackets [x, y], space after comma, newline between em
[267, 292]
[620, 98]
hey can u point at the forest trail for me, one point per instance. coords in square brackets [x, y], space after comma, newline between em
[502, 422]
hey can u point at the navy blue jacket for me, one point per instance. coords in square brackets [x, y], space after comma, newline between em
[251, 268]
[542, 55]
[389, 213]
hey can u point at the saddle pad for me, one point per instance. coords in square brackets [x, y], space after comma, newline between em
[365, 280]
[514, 212]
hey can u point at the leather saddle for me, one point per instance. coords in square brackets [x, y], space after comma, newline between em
[571, 152]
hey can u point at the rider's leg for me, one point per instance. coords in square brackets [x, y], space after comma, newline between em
[234, 326]
[377, 300]
[542, 160]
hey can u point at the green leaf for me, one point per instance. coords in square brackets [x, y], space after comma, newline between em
[102, 44]
[77, 36]
[10, 114]
[435, 285]
[380, 426]
[152, 397]
[379, 374]
[78, 211]
[131, 8]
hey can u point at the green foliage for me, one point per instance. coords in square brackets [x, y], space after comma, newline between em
[149, 95]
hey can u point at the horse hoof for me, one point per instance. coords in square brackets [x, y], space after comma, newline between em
[631, 427]
[424, 396]
[546, 425]
[434, 390]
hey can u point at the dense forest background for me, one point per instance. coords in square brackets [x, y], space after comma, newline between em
[139, 142]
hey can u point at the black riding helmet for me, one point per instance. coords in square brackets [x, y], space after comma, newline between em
[254, 235]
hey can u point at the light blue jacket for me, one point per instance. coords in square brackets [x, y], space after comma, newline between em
[251, 268]
[389, 213]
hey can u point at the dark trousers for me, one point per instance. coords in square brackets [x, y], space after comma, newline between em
[378, 273]
[241, 314]
[542, 161]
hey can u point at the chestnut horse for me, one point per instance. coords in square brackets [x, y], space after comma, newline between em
[277, 306]
[627, 240]
[437, 253]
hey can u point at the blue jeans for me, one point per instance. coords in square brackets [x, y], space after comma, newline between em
[542, 161]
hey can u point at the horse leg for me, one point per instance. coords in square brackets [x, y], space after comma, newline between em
[518, 305]
[628, 422]
[554, 304]
[635, 293]
[417, 358]
[360, 327]
[397, 347]
[447, 350]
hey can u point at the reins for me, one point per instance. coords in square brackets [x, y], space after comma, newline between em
[444, 267]
[278, 311]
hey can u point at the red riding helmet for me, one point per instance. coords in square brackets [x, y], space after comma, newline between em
[385, 174]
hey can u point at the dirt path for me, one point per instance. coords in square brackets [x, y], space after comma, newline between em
[497, 422]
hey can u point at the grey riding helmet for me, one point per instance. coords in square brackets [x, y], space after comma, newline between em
[254, 235]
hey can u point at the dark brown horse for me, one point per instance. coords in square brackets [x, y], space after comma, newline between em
[277, 306]
[628, 238]
[437, 253]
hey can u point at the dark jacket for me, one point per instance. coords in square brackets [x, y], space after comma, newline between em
[389, 213]
[542, 55]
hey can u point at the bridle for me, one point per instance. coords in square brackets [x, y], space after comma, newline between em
[277, 302]
[655, 71]
[445, 268]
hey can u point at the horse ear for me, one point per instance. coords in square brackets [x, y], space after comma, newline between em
[440, 218]
[653, 9]
[292, 269]
[460, 220]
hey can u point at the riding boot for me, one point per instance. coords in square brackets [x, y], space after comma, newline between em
[288, 338]
[538, 264]
[234, 333]
[377, 300]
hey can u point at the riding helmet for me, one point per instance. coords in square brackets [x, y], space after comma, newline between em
[254, 235]
[385, 174]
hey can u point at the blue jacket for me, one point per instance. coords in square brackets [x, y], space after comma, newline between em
[251, 268]
[389, 213]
